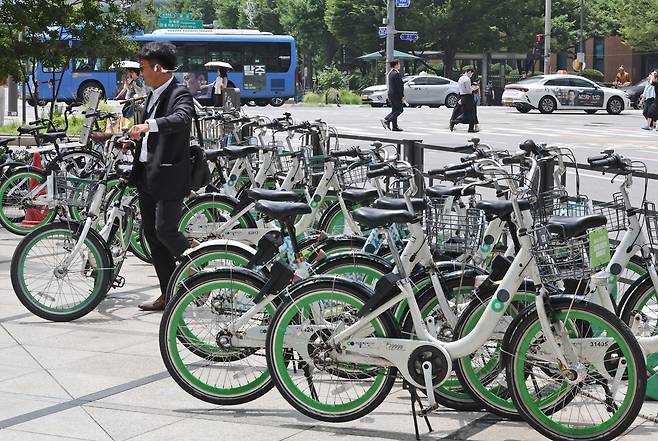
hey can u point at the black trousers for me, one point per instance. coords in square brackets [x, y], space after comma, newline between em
[468, 115]
[218, 99]
[398, 108]
[160, 222]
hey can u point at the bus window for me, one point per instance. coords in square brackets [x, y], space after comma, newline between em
[228, 52]
[195, 57]
[275, 56]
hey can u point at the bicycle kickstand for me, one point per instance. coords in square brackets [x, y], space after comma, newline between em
[416, 399]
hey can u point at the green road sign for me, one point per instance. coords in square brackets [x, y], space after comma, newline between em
[175, 23]
[175, 15]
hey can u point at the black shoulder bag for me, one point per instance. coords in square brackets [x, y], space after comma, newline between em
[199, 170]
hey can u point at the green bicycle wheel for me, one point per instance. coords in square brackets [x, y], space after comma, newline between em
[47, 287]
[606, 373]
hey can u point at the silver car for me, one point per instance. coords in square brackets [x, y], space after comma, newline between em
[419, 90]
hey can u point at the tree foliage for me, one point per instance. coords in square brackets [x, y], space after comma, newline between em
[639, 24]
[48, 31]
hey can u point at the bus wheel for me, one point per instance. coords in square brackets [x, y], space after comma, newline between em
[87, 88]
[277, 101]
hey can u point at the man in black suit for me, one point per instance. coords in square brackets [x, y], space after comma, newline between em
[161, 168]
[395, 97]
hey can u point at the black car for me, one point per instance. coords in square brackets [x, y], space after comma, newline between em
[634, 92]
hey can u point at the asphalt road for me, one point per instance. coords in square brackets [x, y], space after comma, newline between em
[506, 128]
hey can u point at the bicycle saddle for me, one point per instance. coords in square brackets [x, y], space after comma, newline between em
[239, 151]
[282, 210]
[212, 155]
[29, 129]
[360, 196]
[439, 191]
[52, 136]
[500, 209]
[376, 217]
[262, 194]
[568, 227]
[5, 142]
[389, 203]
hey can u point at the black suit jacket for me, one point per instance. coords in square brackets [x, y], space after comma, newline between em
[395, 86]
[166, 173]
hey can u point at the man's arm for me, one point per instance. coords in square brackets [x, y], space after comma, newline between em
[180, 119]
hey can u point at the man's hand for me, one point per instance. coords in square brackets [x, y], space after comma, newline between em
[137, 131]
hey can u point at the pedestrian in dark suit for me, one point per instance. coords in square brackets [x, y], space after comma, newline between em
[161, 168]
[395, 97]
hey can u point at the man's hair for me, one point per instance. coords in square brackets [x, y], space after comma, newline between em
[160, 52]
[469, 69]
[394, 63]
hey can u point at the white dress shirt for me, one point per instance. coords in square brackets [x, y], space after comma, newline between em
[153, 126]
[465, 85]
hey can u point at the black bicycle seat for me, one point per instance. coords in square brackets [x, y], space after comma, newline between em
[282, 210]
[439, 191]
[376, 217]
[500, 209]
[262, 194]
[360, 196]
[52, 136]
[239, 151]
[389, 203]
[5, 142]
[568, 227]
[212, 155]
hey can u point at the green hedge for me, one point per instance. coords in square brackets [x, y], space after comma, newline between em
[329, 97]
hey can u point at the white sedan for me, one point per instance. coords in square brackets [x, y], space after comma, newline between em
[549, 93]
[420, 90]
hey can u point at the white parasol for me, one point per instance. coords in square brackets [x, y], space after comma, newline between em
[217, 64]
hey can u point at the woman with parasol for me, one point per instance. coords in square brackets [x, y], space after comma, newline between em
[220, 83]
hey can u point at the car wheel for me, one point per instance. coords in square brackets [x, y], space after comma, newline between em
[591, 111]
[452, 100]
[547, 104]
[615, 105]
[524, 109]
[277, 101]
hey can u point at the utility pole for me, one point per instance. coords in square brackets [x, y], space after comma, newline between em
[581, 53]
[390, 34]
[547, 39]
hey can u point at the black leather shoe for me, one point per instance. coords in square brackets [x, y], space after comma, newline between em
[452, 126]
[385, 124]
[397, 129]
[156, 305]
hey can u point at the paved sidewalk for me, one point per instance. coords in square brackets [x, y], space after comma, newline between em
[101, 378]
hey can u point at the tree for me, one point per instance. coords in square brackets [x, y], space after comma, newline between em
[228, 14]
[354, 24]
[304, 20]
[48, 31]
[639, 24]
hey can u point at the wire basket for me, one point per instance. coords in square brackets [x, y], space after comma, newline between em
[558, 203]
[352, 174]
[560, 258]
[314, 164]
[454, 232]
[615, 212]
[651, 219]
[65, 189]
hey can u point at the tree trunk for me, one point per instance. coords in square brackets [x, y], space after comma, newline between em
[448, 63]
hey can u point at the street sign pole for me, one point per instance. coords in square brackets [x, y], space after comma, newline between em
[547, 39]
[390, 34]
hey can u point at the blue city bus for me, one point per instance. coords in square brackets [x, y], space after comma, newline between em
[264, 66]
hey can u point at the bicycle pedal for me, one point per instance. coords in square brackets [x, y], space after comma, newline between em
[428, 410]
[119, 282]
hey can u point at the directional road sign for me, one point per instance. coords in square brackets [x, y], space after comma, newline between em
[382, 32]
[409, 36]
[402, 3]
[175, 23]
